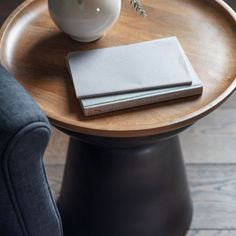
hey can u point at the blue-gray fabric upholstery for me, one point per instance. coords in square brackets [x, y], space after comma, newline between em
[26, 204]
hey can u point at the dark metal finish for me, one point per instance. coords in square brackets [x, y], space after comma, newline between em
[139, 190]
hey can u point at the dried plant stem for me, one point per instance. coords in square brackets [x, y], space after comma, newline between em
[138, 6]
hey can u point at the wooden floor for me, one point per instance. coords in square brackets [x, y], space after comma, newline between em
[210, 155]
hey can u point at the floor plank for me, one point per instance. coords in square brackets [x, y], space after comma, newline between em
[213, 189]
[232, 3]
[231, 101]
[57, 148]
[211, 233]
[212, 139]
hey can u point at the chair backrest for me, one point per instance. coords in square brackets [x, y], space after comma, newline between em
[26, 203]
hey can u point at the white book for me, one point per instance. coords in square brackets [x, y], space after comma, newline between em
[130, 68]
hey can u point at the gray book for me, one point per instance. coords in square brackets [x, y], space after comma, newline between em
[93, 106]
[130, 68]
[111, 101]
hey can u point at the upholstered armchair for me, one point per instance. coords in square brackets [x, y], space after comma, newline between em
[27, 207]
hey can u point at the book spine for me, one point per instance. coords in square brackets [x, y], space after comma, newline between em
[119, 105]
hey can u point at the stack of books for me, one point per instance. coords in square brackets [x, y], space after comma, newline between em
[116, 78]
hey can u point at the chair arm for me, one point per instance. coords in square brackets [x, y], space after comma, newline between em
[17, 108]
[26, 204]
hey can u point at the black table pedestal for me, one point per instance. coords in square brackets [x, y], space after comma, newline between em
[125, 188]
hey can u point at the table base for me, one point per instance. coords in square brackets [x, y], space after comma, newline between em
[125, 190]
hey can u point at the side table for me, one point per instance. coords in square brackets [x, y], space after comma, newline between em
[124, 173]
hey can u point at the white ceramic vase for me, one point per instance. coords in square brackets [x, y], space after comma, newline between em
[84, 20]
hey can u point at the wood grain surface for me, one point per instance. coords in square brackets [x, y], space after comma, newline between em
[34, 50]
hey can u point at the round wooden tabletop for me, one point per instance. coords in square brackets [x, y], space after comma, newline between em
[34, 50]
